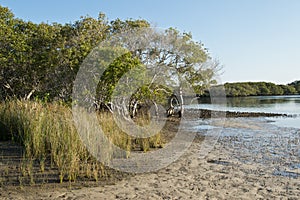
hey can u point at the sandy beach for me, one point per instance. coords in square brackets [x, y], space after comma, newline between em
[230, 171]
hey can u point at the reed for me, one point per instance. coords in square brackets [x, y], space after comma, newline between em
[48, 134]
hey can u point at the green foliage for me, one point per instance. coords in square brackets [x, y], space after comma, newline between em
[118, 25]
[258, 89]
[296, 85]
[113, 74]
[40, 61]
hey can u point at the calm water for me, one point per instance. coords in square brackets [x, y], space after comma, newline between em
[270, 104]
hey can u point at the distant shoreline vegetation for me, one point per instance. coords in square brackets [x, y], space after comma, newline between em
[244, 89]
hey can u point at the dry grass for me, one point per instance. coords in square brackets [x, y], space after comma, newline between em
[48, 134]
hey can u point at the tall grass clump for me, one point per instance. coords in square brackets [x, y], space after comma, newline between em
[48, 134]
[125, 141]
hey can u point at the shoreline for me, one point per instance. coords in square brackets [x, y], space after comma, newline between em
[219, 175]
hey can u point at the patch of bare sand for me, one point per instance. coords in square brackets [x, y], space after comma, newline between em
[218, 176]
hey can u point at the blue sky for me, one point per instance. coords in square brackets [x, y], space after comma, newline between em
[255, 40]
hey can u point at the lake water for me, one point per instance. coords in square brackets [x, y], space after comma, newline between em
[269, 104]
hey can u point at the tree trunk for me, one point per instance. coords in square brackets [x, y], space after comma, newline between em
[181, 102]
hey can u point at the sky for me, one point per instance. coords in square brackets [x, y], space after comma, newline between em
[254, 40]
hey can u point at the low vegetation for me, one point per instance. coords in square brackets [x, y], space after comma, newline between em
[48, 135]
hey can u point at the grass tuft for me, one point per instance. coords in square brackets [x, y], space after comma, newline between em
[48, 134]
